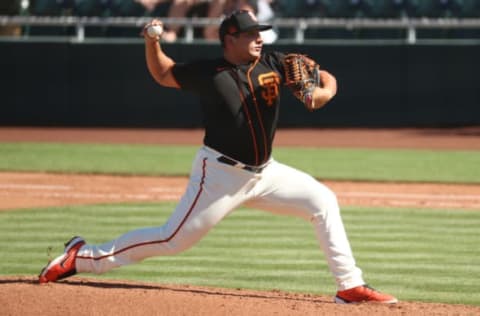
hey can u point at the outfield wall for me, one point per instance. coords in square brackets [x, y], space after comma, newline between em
[98, 84]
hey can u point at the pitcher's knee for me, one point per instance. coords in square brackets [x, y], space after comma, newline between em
[326, 203]
[330, 198]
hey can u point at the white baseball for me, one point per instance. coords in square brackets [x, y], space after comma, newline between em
[154, 30]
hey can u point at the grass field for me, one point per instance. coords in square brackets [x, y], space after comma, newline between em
[417, 254]
[324, 163]
[422, 255]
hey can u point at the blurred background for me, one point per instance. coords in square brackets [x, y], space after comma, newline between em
[318, 19]
[400, 63]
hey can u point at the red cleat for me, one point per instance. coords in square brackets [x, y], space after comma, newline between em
[363, 294]
[64, 265]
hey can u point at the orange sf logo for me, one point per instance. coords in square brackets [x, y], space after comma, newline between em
[269, 83]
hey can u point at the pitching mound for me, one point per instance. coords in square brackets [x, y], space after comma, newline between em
[80, 296]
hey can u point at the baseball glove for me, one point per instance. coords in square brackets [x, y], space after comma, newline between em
[302, 76]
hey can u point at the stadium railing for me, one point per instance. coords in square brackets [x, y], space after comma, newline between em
[298, 26]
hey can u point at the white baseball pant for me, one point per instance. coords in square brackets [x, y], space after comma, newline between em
[214, 190]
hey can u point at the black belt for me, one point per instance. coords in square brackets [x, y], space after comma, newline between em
[234, 163]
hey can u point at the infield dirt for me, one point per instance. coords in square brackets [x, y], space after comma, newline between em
[79, 296]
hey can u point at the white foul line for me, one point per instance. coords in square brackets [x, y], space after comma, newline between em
[156, 193]
[34, 187]
[403, 196]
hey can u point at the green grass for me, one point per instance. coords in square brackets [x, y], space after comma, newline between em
[91, 158]
[421, 255]
[323, 163]
[425, 255]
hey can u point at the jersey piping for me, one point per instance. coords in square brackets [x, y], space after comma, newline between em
[247, 113]
[260, 119]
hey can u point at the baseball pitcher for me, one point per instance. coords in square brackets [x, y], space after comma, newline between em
[240, 100]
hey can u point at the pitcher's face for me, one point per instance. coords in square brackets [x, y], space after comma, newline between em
[248, 45]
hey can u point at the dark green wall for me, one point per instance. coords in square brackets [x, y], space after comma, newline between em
[69, 84]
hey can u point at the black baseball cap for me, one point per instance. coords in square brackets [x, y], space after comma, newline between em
[238, 22]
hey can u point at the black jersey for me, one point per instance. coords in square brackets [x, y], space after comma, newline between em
[240, 103]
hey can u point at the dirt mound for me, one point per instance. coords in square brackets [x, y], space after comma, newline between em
[80, 296]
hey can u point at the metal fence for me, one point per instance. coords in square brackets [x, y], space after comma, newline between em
[298, 26]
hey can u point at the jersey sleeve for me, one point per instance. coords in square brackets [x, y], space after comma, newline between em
[189, 76]
[275, 60]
